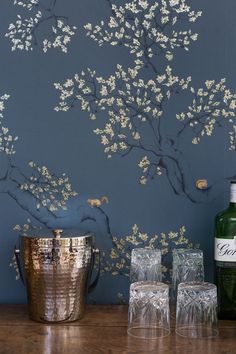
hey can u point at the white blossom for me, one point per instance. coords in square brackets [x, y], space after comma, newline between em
[23, 33]
[144, 27]
[48, 190]
[7, 140]
[28, 4]
[209, 105]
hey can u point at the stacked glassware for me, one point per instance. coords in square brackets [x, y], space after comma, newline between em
[189, 299]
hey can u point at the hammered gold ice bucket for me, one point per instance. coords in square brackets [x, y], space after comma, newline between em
[57, 272]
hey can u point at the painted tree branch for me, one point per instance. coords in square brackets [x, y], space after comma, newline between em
[117, 260]
[48, 198]
[67, 212]
[146, 28]
[136, 108]
[132, 104]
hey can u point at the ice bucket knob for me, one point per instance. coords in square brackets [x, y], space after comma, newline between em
[57, 233]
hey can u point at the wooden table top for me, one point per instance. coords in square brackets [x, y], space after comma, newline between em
[101, 331]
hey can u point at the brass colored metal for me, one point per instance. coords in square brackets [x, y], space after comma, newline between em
[57, 233]
[57, 273]
[202, 184]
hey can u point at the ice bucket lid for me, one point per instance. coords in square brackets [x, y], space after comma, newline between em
[59, 237]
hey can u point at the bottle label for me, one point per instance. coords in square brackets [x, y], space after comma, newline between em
[225, 249]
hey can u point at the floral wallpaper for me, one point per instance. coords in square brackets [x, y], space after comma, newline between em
[23, 32]
[116, 117]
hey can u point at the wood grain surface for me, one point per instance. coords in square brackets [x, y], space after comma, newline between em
[102, 330]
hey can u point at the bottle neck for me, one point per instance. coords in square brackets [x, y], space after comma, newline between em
[233, 194]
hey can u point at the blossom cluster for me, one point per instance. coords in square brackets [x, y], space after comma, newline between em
[146, 27]
[149, 168]
[129, 101]
[49, 190]
[117, 260]
[212, 106]
[6, 139]
[24, 33]
[28, 4]
[26, 227]
[60, 37]
[133, 106]
[21, 33]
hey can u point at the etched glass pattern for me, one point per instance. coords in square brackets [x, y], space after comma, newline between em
[187, 266]
[145, 265]
[196, 312]
[149, 310]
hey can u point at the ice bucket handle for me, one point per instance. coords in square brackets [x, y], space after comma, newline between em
[17, 258]
[95, 254]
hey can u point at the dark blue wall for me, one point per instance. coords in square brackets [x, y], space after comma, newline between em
[65, 142]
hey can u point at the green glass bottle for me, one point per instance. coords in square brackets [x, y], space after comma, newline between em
[225, 258]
